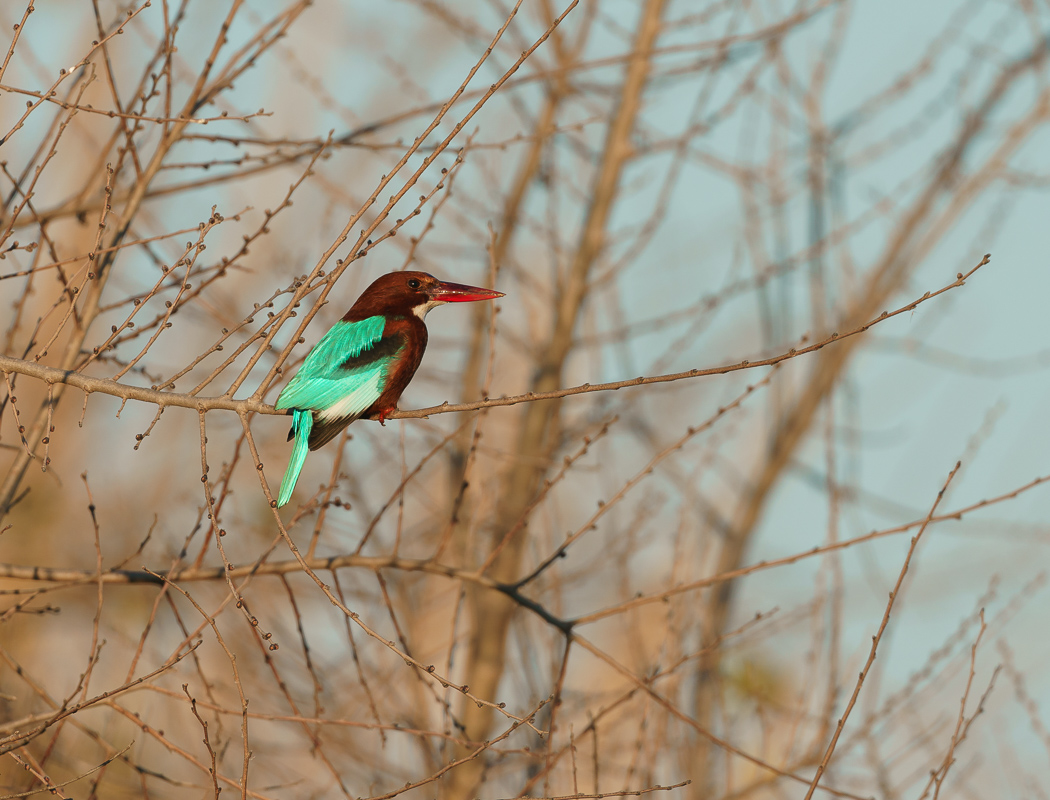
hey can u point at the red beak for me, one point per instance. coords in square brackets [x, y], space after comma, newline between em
[461, 293]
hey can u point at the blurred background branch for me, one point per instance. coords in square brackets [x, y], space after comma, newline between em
[533, 584]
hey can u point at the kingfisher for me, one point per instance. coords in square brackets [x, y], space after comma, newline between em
[365, 361]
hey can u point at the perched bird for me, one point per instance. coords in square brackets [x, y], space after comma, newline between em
[363, 364]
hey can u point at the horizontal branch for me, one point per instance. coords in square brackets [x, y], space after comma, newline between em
[59, 575]
[62, 575]
[75, 577]
[89, 384]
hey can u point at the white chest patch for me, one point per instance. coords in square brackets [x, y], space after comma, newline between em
[422, 309]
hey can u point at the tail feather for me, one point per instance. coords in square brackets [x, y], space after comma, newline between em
[302, 423]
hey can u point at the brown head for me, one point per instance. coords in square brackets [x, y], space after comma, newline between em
[399, 294]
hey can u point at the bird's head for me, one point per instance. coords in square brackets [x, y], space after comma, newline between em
[404, 293]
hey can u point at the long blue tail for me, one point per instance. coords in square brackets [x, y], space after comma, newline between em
[302, 424]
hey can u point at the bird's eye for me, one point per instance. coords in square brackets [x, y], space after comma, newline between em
[414, 284]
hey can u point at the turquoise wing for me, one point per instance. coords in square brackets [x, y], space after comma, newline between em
[337, 379]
